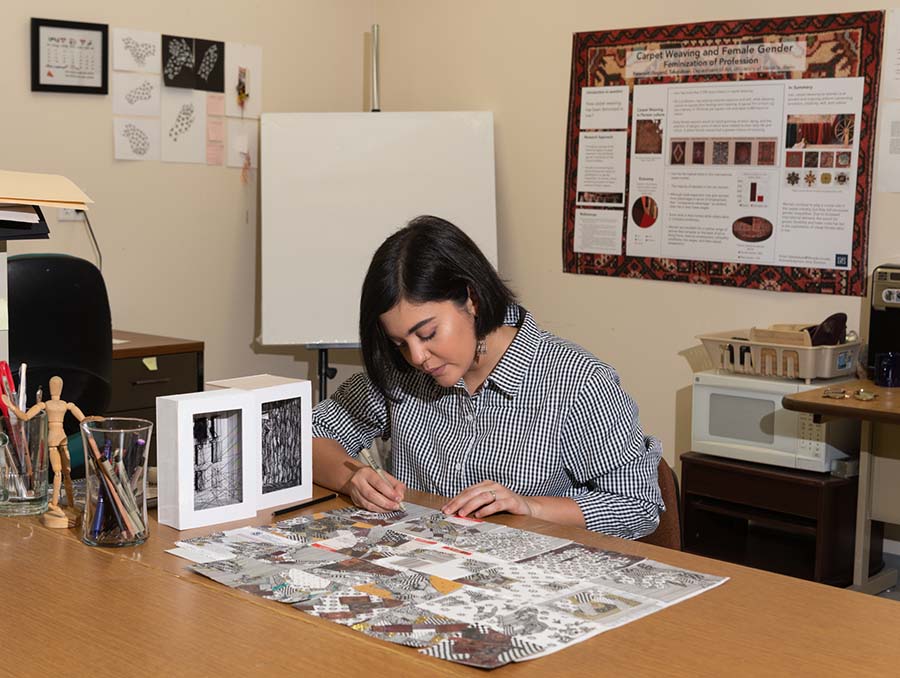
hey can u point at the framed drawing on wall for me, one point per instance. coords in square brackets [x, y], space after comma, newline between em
[69, 56]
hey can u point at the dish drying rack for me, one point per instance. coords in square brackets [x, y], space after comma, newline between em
[780, 351]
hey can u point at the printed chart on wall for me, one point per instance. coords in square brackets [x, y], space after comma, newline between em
[735, 153]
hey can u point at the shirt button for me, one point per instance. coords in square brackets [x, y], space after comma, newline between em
[459, 467]
[469, 417]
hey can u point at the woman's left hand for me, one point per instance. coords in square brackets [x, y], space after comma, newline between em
[485, 499]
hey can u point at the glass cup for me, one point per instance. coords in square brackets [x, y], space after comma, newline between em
[115, 502]
[24, 455]
[887, 369]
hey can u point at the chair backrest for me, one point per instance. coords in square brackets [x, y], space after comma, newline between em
[668, 533]
[59, 324]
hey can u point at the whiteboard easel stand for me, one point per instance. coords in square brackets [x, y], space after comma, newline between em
[324, 371]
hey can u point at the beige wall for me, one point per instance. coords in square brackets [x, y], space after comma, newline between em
[513, 57]
[180, 241]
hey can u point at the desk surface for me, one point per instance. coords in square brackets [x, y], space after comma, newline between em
[138, 345]
[141, 611]
[885, 407]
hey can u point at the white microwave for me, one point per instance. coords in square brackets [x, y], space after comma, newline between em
[741, 417]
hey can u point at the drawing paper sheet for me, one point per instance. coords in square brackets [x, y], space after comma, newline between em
[136, 138]
[215, 140]
[183, 128]
[243, 139]
[215, 104]
[23, 213]
[890, 77]
[887, 169]
[403, 577]
[136, 94]
[248, 57]
[134, 50]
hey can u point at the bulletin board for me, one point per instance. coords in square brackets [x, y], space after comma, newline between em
[735, 153]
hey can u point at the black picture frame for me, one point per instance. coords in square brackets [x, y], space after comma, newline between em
[102, 31]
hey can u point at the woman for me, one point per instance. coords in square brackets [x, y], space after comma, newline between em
[480, 404]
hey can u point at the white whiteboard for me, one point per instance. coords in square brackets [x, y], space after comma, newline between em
[335, 185]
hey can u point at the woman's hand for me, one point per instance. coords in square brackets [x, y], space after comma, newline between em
[487, 498]
[371, 492]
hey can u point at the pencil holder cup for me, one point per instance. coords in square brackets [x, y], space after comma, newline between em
[24, 455]
[115, 502]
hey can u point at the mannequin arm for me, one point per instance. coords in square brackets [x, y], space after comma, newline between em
[24, 416]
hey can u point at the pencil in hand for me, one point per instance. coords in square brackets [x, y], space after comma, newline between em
[367, 457]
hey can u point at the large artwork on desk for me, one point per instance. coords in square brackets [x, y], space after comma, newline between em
[735, 153]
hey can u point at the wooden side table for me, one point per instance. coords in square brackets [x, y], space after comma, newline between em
[879, 467]
[798, 523]
[146, 366]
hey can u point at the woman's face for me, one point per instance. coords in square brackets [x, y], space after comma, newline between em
[436, 337]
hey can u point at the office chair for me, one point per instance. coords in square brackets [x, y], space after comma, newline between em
[59, 324]
[668, 533]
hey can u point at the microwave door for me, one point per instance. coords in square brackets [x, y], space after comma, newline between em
[743, 424]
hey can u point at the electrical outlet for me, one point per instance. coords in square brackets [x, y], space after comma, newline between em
[69, 214]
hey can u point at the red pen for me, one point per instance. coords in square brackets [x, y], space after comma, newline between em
[4, 371]
[9, 385]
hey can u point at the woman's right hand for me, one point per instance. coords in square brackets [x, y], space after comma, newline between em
[372, 493]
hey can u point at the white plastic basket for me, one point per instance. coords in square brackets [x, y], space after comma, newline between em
[735, 352]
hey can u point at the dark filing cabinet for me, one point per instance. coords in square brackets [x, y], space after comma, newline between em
[146, 366]
[798, 523]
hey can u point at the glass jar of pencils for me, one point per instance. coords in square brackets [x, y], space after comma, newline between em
[24, 456]
[115, 461]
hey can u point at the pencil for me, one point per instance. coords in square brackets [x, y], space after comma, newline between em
[297, 507]
[367, 457]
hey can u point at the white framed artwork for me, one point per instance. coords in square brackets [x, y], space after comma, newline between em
[206, 457]
[283, 407]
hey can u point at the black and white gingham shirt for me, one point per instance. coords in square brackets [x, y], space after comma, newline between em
[550, 420]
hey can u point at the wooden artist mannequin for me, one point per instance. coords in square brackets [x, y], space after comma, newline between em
[59, 450]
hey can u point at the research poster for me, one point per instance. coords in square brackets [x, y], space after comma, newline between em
[738, 156]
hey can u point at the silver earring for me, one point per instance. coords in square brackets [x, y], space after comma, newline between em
[480, 348]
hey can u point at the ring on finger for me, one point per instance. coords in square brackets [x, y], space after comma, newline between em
[493, 495]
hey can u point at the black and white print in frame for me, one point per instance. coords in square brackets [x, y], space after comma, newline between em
[69, 56]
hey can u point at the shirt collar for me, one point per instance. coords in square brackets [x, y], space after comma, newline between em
[510, 372]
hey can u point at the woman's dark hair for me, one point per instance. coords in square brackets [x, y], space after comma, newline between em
[429, 259]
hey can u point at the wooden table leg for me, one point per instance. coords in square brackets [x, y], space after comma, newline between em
[887, 577]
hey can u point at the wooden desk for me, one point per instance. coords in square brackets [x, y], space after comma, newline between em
[145, 366]
[140, 611]
[879, 475]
